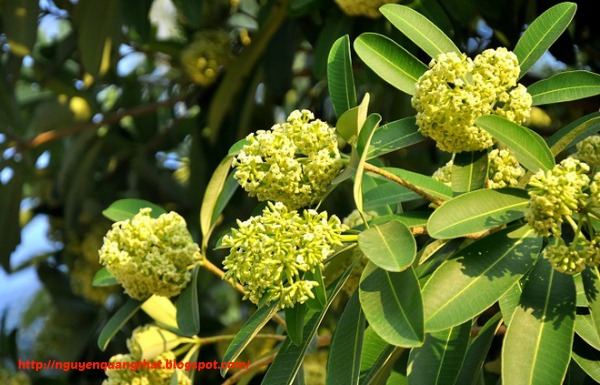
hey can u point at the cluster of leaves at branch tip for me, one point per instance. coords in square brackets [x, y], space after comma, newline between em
[293, 163]
[150, 255]
[206, 57]
[270, 253]
[504, 170]
[368, 8]
[555, 196]
[456, 90]
[13, 378]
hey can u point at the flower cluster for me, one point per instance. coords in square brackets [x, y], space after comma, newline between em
[504, 170]
[292, 163]
[150, 256]
[588, 150]
[456, 90]
[354, 219]
[556, 194]
[270, 253]
[368, 8]
[158, 375]
[574, 258]
[206, 56]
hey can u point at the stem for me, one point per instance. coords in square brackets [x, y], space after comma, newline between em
[349, 238]
[208, 265]
[388, 175]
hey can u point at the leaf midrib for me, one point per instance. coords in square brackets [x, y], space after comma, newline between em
[541, 331]
[387, 60]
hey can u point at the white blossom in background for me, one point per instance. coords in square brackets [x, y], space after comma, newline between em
[163, 15]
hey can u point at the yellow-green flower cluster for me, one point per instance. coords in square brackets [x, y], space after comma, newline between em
[159, 375]
[292, 163]
[354, 219]
[588, 150]
[504, 170]
[10, 378]
[556, 194]
[456, 90]
[150, 255]
[270, 253]
[368, 8]
[206, 56]
[574, 258]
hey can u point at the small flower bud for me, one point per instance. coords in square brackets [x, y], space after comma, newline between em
[588, 150]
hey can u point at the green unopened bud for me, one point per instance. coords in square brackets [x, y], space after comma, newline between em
[564, 259]
[588, 150]
[150, 256]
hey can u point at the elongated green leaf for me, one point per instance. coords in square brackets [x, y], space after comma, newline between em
[587, 358]
[538, 341]
[230, 187]
[337, 26]
[364, 140]
[477, 352]
[289, 359]
[425, 183]
[162, 310]
[542, 33]
[294, 320]
[319, 291]
[439, 360]
[463, 287]
[574, 132]
[98, 27]
[469, 171]
[565, 86]
[104, 278]
[591, 285]
[252, 326]
[211, 196]
[509, 301]
[529, 148]
[393, 306]
[124, 209]
[376, 353]
[390, 246]
[20, 20]
[188, 310]
[340, 79]
[476, 211]
[586, 329]
[116, 322]
[419, 29]
[394, 136]
[346, 346]
[392, 62]
[387, 193]
[350, 122]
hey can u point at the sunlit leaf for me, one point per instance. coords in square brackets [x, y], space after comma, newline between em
[390, 246]
[340, 79]
[564, 87]
[124, 209]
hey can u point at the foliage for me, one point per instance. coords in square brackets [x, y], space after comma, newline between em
[135, 110]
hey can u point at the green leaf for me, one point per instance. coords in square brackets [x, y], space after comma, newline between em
[463, 287]
[319, 291]
[392, 62]
[250, 329]
[294, 319]
[387, 193]
[538, 341]
[393, 306]
[343, 366]
[230, 187]
[125, 209]
[478, 351]
[542, 33]
[509, 301]
[117, 321]
[98, 25]
[289, 359]
[390, 246]
[211, 196]
[188, 309]
[574, 132]
[477, 211]
[340, 79]
[469, 171]
[564, 87]
[20, 22]
[419, 29]
[425, 183]
[376, 355]
[409, 218]
[394, 136]
[591, 284]
[439, 360]
[237, 147]
[588, 359]
[351, 121]
[337, 26]
[104, 278]
[363, 142]
[529, 148]
[11, 195]
[586, 329]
